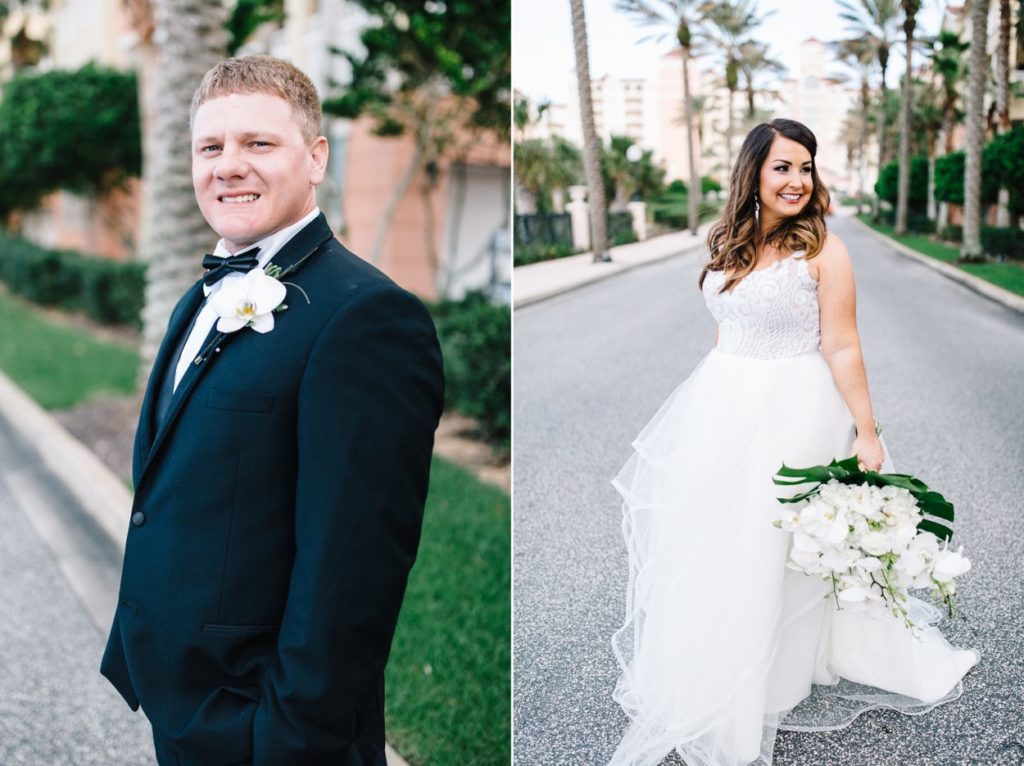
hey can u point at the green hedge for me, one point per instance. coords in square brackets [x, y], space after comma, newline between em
[1003, 241]
[887, 185]
[995, 240]
[67, 130]
[620, 229]
[475, 336]
[952, 233]
[918, 223]
[107, 291]
[533, 253]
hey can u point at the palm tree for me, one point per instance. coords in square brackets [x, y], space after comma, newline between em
[681, 17]
[948, 64]
[875, 21]
[927, 121]
[978, 65]
[174, 233]
[910, 9]
[859, 55]
[754, 60]
[591, 145]
[543, 165]
[729, 22]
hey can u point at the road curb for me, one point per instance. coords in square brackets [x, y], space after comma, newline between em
[100, 493]
[984, 288]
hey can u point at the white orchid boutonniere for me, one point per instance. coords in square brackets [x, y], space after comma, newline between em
[248, 302]
[252, 300]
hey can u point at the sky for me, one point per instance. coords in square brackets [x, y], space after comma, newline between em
[542, 50]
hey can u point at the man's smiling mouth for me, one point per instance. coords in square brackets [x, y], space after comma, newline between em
[241, 198]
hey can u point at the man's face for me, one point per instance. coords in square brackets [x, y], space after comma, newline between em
[252, 170]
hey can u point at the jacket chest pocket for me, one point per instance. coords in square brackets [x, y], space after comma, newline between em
[239, 400]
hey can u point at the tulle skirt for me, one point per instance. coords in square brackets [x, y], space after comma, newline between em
[721, 641]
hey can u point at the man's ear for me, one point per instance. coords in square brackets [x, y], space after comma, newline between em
[319, 151]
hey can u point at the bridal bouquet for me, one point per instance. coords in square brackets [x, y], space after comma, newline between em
[873, 536]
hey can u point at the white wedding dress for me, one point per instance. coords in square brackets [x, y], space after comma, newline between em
[721, 641]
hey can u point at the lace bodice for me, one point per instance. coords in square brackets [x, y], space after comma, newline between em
[770, 314]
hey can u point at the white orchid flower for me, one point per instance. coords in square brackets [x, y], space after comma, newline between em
[875, 543]
[853, 595]
[950, 564]
[248, 302]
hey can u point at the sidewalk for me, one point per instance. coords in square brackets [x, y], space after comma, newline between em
[538, 281]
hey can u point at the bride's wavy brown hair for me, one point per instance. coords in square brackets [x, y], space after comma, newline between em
[734, 237]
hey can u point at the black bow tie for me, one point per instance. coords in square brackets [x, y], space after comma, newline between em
[218, 268]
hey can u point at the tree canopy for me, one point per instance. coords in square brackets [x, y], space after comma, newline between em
[75, 130]
[446, 47]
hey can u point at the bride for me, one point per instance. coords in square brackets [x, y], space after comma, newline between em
[721, 642]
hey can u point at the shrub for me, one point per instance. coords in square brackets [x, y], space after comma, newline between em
[952, 233]
[623, 237]
[67, 130]
[920, 223]
[475, 336]
[111, 292]
[620, 229]
[949, 177]
[887, 186]
[525, 254]
[709, 184]
[1003, 241]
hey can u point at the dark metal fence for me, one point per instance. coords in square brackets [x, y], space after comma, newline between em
[543, 229]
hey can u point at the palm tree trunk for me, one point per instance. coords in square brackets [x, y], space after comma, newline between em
[883, 127]
[174, 235]
[978, 65]
[693, 198]
[728, 134]
[862, 160]
[591, 145]
[1003, 67]
[1003, 98]
[903, 183]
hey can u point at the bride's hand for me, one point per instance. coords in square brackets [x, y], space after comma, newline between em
[868, 449]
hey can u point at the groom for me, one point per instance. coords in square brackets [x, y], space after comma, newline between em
[281, 460]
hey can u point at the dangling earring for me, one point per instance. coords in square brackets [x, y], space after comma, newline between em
[757, 212]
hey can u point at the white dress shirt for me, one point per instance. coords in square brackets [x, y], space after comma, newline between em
[207, 317]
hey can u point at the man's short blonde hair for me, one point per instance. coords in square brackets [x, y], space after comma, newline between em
[263, 74]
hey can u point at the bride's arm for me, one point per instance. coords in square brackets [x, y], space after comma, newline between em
[840, 344]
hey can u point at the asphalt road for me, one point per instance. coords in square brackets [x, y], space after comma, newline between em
[946, 371]
[55, 707]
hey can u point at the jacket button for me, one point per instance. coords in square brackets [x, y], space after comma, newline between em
[138, 518]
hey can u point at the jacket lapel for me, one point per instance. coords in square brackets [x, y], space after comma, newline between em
[289, 259]
[179, 324]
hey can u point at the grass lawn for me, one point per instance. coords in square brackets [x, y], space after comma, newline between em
[60, 366]
[448, 681]
[1009, 275]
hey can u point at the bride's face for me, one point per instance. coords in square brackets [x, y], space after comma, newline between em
[786, 183]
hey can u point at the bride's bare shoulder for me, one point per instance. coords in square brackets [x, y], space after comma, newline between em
[832, 257]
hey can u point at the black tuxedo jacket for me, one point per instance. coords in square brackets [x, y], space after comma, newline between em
[276, 515]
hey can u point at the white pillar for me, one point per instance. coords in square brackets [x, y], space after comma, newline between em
[579, 215]
[1003, 210]
[639, 211]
